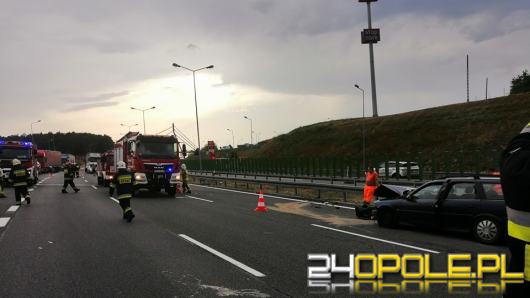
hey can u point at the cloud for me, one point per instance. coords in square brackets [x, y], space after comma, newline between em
[192, 47]
[101, 97]
[90, 102]
[88, 106]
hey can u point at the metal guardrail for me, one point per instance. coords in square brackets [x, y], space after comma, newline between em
[313, 180]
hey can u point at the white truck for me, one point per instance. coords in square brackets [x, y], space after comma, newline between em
[91, 162]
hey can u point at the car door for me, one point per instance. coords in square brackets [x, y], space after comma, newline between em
[493, 201]
[458, 205]
[419, 207]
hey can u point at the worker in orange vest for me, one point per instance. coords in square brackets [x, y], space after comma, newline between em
[371, 184]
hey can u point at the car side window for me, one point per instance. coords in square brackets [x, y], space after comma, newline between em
[462, 191]
[429, 192]
[493, 191]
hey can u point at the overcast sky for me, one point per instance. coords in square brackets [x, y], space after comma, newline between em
[81, 65]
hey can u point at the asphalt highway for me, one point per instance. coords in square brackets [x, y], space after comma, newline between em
[210, 243]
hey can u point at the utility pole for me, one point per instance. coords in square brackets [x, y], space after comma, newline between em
[467, 76]
[486, 88]
[371, 36]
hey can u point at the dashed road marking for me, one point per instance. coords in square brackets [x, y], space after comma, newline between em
[114, 200]
[4, 221]
[94, 187]
[377, 239]
[195, 198]
[86, 181]
[277, 197]
[221, 255]
[13, 208]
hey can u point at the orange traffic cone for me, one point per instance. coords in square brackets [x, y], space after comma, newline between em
[261, 203]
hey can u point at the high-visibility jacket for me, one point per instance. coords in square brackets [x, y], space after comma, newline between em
[19, 176]
[184, 175]
[69, 172]
[371, 178]
[515, 180]
[123, 182]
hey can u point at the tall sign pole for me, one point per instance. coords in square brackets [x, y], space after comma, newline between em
[371, 36]
[467, 76]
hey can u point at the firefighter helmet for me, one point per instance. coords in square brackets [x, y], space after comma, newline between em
[121, 165]
[183, 166]
[16, 162]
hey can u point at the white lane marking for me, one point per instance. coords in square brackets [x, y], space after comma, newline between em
[223, 256]
[377, 239]
[13, 208]
[60, 184]
[86, 181]
[114, 200]
[277, 197]
[94, 187]
[195, 198]
[4, 221]
[31, 189]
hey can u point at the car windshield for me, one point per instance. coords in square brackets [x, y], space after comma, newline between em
[156, 149]
[11, 153]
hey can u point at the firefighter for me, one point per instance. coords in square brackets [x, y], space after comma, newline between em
[19, 178]
[515, 178]
[370, 185]
[69, 174]
[184, 177]
[123, 182]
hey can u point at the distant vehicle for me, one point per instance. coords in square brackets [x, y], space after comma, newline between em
[106, 168]
[462, 204]
[67, 157]
[50, 161]
[91, 162]
[26, 152]
[153, 159]
[403, 169]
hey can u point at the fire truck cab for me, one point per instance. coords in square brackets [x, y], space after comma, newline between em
[26, 152]
[153, 159]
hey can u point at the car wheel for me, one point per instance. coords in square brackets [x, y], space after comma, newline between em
[487, 230]
[386, 218]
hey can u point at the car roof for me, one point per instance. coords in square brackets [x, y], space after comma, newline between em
[469, 178]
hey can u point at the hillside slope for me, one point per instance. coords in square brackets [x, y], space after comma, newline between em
[480, 125]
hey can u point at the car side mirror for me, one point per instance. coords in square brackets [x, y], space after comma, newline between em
[406, 193]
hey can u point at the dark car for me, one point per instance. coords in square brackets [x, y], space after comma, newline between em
[462, 204]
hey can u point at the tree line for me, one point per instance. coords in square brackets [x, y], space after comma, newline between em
[71, 142]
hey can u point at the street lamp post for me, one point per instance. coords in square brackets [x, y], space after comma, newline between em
[233, 142]
[196, 110]
[143, 113]
[370, 37]
[363, 131]
[251, 130]
[129, 126]
[31, 128]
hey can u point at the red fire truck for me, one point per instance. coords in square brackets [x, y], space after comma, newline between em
[26, 152]
[153, 159]
[106, 168]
